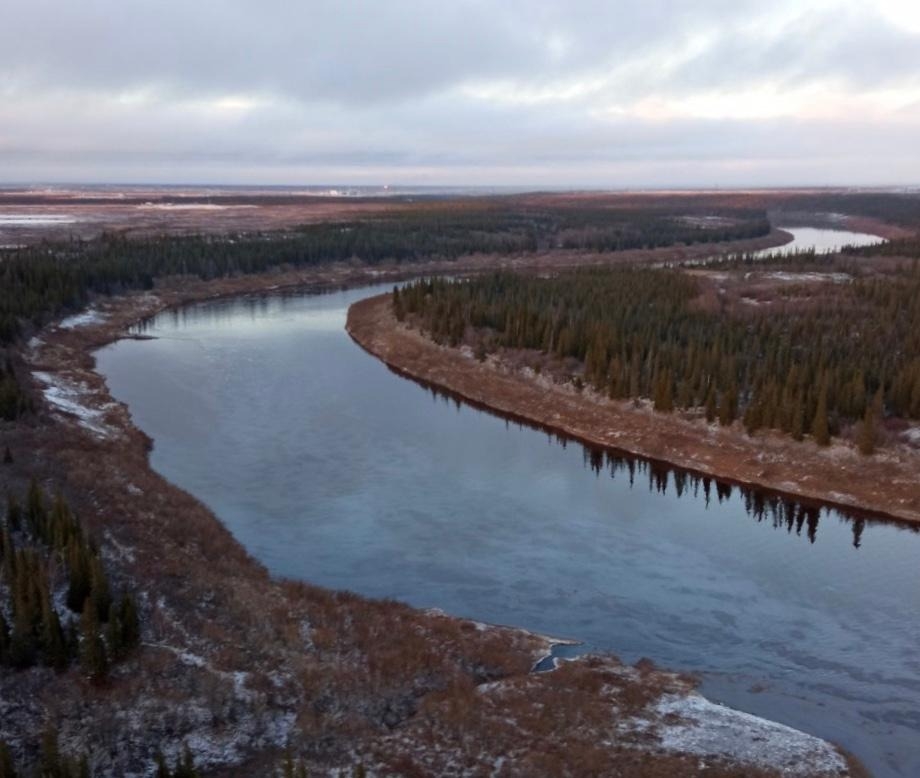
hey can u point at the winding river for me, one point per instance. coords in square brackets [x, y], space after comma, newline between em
[330, 468]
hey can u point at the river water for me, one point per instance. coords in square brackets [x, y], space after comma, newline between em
[330, 468]
[821, 240]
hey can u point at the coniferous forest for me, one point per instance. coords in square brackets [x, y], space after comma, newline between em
[57, 606]
[47, 279]
[644, 333]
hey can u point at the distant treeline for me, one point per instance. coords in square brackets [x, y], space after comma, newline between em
[45, 280]
[641, 333]
[896, 207]
[901, 247]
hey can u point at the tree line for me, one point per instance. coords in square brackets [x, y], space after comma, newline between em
[45, 552]
[52, 763]
[44, 280]
[637, 333]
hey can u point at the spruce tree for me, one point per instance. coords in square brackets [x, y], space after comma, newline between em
[728, 406]
[798, 419]
[13, 512]
[819, 427]
[130, 623]
[35, 509]
[4, 640]
[99, 589]
[711, 411]
[80, 574]
[7, 767]
[186, 765]
[93, 657]
[867, 433]
[162, 770]
[50, 762]
[54, 646]
[399, 310]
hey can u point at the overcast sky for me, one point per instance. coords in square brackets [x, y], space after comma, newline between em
[517, 92]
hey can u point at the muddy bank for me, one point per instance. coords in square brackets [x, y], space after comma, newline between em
[259, 665]
[885, 485]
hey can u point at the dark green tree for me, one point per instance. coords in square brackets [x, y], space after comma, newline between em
[93, 658]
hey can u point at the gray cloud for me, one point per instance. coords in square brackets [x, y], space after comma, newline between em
[540, 91]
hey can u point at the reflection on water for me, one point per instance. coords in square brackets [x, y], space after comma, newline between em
[763, 505]
[330, 468]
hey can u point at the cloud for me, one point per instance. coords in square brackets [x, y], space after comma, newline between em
[540, 91]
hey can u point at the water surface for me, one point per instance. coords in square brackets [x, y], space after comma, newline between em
[332, 469]
[819, 239]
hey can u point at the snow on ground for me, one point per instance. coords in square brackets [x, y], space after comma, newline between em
[89, 316]
[710, 730]
[34, 220]
[190, 207]
[779, 275]
[66, 396]
[912, 436]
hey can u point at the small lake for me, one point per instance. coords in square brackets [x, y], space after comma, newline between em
[330, 468]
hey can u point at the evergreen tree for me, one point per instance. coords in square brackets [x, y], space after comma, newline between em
[867, 433]
[664, 400]
[728, 406]
[162, 769]
[93, 657]
[7, 767]
[99, 589]
[13, 512]
[819, 427]
[4, 641]
[130, 623]
[798, 419]
[711, 411]
[399, 310]
[80, 574]
[50, 763]
[7, 456]
[54, 646]
[186, 765]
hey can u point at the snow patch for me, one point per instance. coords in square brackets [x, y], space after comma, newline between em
[35, 220]
[90, 316]
[707, 729]
[779, 275]
[189, 207]
[66, 397]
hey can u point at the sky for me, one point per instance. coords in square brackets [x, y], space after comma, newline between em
[525, 93]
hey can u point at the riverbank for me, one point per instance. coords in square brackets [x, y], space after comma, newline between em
[885, 484]
[261, 665]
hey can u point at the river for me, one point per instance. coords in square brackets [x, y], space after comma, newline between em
[330, 468]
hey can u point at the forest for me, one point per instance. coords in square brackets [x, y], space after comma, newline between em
[846, 358]
[57, 606]
[42, 281]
